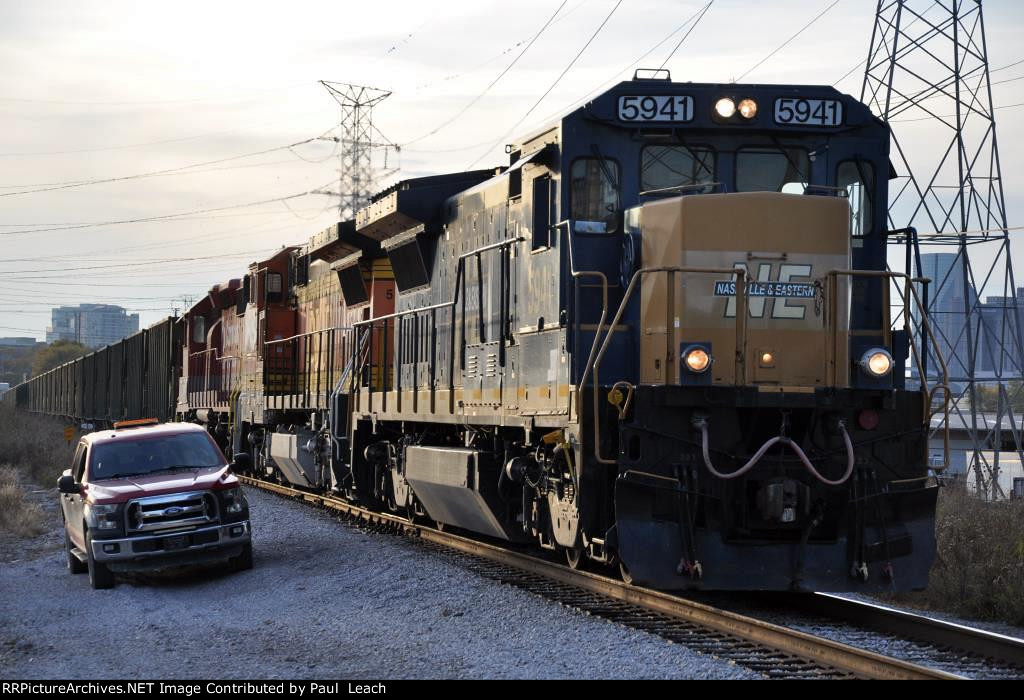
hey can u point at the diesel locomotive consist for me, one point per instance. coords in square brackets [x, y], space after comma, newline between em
[659, 339]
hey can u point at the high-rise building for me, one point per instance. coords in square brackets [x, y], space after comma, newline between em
[92, 325]
[1002, 318]
[951, 302]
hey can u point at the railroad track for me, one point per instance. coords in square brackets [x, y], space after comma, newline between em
[772, 649]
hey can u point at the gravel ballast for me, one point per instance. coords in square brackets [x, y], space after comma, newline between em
[325, 599]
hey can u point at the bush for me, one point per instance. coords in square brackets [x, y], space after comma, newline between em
[979, 569]
[34, 445]
[32, 451]
[18, 515]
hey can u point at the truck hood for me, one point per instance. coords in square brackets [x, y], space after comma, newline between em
[129, 487]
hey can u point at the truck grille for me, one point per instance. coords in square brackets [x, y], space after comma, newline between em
[171, 511]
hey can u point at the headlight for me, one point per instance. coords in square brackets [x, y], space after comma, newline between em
[101, 516]
[233, 500]
[748, 108]
[697, 359]
[876, 362]
[725, 108]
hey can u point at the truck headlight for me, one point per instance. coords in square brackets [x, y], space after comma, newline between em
[876, 363]
[234, 501]
[101, 516]
[696, 359]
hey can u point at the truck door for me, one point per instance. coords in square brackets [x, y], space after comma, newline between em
[71, 503]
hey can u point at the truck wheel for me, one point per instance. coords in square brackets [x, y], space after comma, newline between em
[99, 575]
[243, 562]
[74, 565]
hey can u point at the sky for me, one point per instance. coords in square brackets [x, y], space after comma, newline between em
[213, 92]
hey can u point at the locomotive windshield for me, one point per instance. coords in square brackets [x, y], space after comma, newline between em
[772, 170]
[678, 168]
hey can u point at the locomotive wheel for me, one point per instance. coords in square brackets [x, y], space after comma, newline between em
[624, 573]
[574, 557]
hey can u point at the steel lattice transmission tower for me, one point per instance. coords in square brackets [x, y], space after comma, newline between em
[360, 140]
[927, 75]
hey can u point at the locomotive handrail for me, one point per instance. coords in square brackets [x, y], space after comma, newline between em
[209, 350]
[929, 395]
[302, 335]
[741, 327]
[577, 274]
[455, 300]
[459, 283]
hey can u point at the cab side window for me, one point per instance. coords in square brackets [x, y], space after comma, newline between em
[857, 177]
[78, 466]
[595, 194]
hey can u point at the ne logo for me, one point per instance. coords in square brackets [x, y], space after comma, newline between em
[773, 282]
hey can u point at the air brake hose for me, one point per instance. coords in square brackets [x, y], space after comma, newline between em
[702, 424]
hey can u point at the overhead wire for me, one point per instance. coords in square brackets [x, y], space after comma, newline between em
[163, 217]
[219, 97]
[687, 34]
[495, 57]
[552, 86]
[786, 42]
[615, 76]
[490, 85]
[52, 186]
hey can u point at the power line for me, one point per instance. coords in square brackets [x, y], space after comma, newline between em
[495, 57]
[688, 31]
[950, 116]
[601, 87]
[909, 25]
[786, 42]
[550, 87]
[182, 218]
[494, 82]
[137, 263]
[164, 217]
[121, 103]
[50, 187]
[198, 172]
[160, 142]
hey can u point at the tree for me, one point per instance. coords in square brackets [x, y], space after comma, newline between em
[988, 396]
[57, 353]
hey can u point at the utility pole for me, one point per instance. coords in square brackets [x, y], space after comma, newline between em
[359, 139]
[928, 76]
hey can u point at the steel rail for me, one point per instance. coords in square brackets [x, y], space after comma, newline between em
[919, 627]
[826, 653]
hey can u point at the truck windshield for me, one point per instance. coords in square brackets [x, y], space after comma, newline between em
[135, 457]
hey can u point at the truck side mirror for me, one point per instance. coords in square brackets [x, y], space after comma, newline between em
[66, 484]
[242, 460]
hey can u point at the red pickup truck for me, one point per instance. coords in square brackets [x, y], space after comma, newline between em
[148, 496]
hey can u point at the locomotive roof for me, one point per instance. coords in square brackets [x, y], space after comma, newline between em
[603, 107]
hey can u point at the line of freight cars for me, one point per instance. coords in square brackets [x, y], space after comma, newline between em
[133, 377]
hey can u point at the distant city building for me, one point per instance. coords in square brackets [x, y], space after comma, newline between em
[92, 325]
[17, 342]
[1002, 319]
[951, 298]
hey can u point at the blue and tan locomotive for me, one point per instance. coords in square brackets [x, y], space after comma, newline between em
[660, 339]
